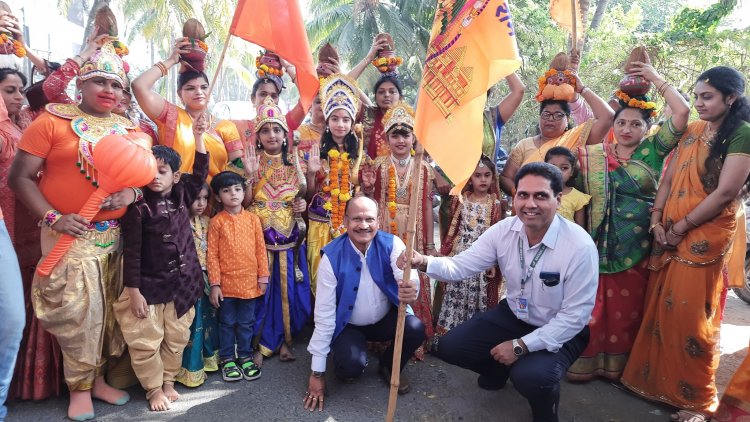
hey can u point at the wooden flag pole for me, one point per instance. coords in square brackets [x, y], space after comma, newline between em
[575, 24]
[411, 230]
[221, 63]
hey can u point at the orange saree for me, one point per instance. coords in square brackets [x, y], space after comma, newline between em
[735, 404]
[676, 352]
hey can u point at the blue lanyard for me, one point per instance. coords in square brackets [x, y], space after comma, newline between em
[526, 272]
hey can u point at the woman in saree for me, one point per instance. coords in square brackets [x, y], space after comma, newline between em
[555, 124]
[622, 179]
[240, 135]
[275, 175]
[676, 353]
[340, 156]
[735, 404]
[74, 302]
[175, 123]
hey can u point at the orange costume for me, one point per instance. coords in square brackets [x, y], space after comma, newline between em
[676, 352]
[236, 255]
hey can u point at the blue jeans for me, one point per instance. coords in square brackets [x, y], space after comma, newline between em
[236, 320]
[12, 313]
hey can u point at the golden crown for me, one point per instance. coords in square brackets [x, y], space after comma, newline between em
[339, 92]
[269, 112]
[399, 117]
[104, 63]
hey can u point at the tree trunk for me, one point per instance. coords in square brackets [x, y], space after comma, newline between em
[92, 15]
[601, 8]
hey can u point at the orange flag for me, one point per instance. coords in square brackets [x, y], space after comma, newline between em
[561, 12]
[277, 25]
[471, 48]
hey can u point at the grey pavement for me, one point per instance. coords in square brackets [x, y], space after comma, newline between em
[440, 392]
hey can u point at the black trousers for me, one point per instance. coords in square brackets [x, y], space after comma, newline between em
[536, 375]
[350, 347]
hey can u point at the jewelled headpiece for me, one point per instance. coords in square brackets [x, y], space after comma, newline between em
[104, 63]
[399, 117]
[339, 92]
[269, 112]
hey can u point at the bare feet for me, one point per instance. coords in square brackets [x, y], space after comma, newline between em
[258, 359]
[285, 354]
[102, 391]
[159, 401]
[170, 392]
[80, 407]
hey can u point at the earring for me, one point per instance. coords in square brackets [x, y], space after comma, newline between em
[258, 145]
[284, 144]
[327, 130]
[79, 98]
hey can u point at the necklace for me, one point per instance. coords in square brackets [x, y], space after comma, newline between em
[401, 162]
[622, 160]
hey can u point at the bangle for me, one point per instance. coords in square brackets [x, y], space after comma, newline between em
[655, 209]
[80, 58]
[138, 195]
[583, 90]
[51, 217]
[429, 246]
[675, 233]
[653, 226]
[162, 68]
[690, 221]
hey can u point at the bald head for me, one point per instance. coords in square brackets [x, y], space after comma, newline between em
[361, 221]
[360, 201]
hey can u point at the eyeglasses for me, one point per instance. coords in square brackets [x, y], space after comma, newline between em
[546, 115]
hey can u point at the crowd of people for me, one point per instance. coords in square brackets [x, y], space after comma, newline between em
[613, 261]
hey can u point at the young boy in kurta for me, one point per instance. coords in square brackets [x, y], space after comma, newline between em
[162, 274]
[238, 274]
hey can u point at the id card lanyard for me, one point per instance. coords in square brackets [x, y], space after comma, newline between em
[527, 272]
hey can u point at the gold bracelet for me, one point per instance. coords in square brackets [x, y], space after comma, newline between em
[675, 233]
[653, 226]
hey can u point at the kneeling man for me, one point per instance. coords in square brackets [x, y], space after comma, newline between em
[356, 301]
[552, 269]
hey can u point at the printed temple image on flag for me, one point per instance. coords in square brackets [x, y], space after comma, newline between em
[472, 46]
[277, 25]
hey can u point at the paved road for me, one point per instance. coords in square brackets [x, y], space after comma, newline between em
[440, 392]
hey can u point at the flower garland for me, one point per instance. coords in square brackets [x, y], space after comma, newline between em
[392, 198]
[18, 48]
[649, 106]
[386, 63]
[120, 48]
[552, 72]
[264, 69]
[339, 189]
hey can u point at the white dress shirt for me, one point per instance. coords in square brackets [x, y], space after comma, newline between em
[559, 311]
[370, 306]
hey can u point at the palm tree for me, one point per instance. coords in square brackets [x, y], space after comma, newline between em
[350, 26]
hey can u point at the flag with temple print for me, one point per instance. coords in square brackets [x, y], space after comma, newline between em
[277, 25]
[472, 46]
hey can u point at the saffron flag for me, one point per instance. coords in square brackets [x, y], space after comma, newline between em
[472, 46]
[561, 12]
[277, 25]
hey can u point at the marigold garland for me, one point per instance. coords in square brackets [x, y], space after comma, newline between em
[384, 63]
[649, 106]
[543, 79]
[264, 69]
[392, 198]
[120, 48]
[18, 48]
[339, 188]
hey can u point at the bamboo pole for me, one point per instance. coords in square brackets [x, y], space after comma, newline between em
[411, 230]
[221, 63]
[575, 24]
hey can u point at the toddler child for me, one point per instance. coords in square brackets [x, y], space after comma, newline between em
[238, 275]
[573, 203]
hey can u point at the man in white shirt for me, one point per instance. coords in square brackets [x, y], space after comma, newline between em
[358, 291]
[540, 329]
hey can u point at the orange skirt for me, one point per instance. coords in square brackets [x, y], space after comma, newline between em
[676, 353]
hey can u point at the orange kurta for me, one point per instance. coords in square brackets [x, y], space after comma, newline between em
[676, 353]
[236, 255]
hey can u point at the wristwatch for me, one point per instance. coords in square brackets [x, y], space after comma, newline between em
[318, 374]
[518, 350]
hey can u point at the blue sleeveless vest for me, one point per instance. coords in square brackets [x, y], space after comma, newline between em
[347, 268]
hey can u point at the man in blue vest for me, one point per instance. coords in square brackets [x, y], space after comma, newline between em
[356, 301]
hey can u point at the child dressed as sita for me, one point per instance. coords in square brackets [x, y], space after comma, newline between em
[478, 208]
